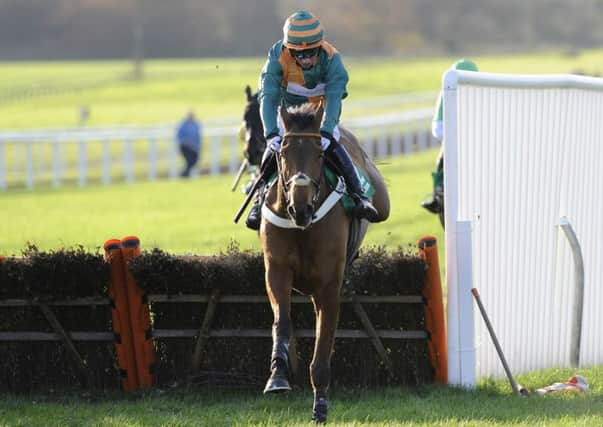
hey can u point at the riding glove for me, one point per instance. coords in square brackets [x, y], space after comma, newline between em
[326, 139]
[274, 143]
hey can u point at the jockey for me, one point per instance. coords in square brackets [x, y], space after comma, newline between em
[303, 67]
[436, 204]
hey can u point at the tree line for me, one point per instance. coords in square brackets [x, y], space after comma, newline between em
[97, 29]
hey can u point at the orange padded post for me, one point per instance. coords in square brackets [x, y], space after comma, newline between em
[140, 318]
[120, 316]
[434, 309]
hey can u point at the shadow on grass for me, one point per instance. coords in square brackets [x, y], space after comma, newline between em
[431, 404]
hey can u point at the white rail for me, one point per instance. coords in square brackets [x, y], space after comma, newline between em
[83, 156]
[522, 160]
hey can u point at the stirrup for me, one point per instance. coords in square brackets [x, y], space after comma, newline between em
[254, 218]
[365, 209]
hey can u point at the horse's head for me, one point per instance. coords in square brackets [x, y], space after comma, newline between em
[255, 143]
[300, 162]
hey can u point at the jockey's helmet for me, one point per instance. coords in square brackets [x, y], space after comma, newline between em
[302, 31]
[465, 64]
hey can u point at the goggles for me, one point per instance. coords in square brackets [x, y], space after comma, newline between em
[306, 53]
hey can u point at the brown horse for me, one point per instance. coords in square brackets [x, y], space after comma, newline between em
[306, 253]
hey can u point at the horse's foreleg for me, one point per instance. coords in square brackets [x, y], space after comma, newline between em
[278, 287]
[327, 312]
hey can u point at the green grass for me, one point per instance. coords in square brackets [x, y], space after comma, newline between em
[189, 216]
[490, 404]
[196, 217]
[214, 87]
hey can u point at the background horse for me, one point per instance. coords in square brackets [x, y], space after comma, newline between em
[255, 143]
[306, 256]
[252, 135]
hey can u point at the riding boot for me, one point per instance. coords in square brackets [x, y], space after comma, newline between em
[364, 208]
[436, 204]
[267, 168]
[254, 218]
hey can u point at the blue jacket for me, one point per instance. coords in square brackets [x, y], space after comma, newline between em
[282, 78]
[189, 134]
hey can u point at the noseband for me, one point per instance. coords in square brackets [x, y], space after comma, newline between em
[300, 179]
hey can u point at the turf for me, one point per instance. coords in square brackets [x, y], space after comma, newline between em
[50, 94]
[490, 404]
[189, 216]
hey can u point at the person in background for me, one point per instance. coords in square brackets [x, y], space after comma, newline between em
[189, 142]
[303, 67]
[435, 203]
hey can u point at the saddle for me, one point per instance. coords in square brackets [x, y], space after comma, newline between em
[346, 200]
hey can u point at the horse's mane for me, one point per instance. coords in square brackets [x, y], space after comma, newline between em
[303, 115]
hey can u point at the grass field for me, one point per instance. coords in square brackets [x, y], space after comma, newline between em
[188, 216]
[196, 217]
[43, 94]
[491, 404]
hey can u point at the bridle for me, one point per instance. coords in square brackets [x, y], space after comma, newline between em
[300, 179]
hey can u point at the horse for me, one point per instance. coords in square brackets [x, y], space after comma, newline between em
[305, 251]
[255, 143]
[251, 133]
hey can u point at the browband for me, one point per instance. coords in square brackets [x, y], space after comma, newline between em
[292, 134]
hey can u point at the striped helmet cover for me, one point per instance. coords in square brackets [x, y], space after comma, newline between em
[302, 30]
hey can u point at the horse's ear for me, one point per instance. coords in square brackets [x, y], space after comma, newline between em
[248, 93]
[318, 115]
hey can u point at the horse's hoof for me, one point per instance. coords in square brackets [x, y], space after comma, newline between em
[277, 385]
[319, 411]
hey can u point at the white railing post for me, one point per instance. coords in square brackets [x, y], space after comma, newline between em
[62, 160]
[83, 163]
[18, 159]
[29, 181]
[106, 175]
[408, 138]
[459, 276]
[233, 165]
[396, 143]
[382, 145]
[152, 159]
[39, 169]
[214, 168]
[421, 139]
[56, 164]
[2, 166]
[129, 161]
